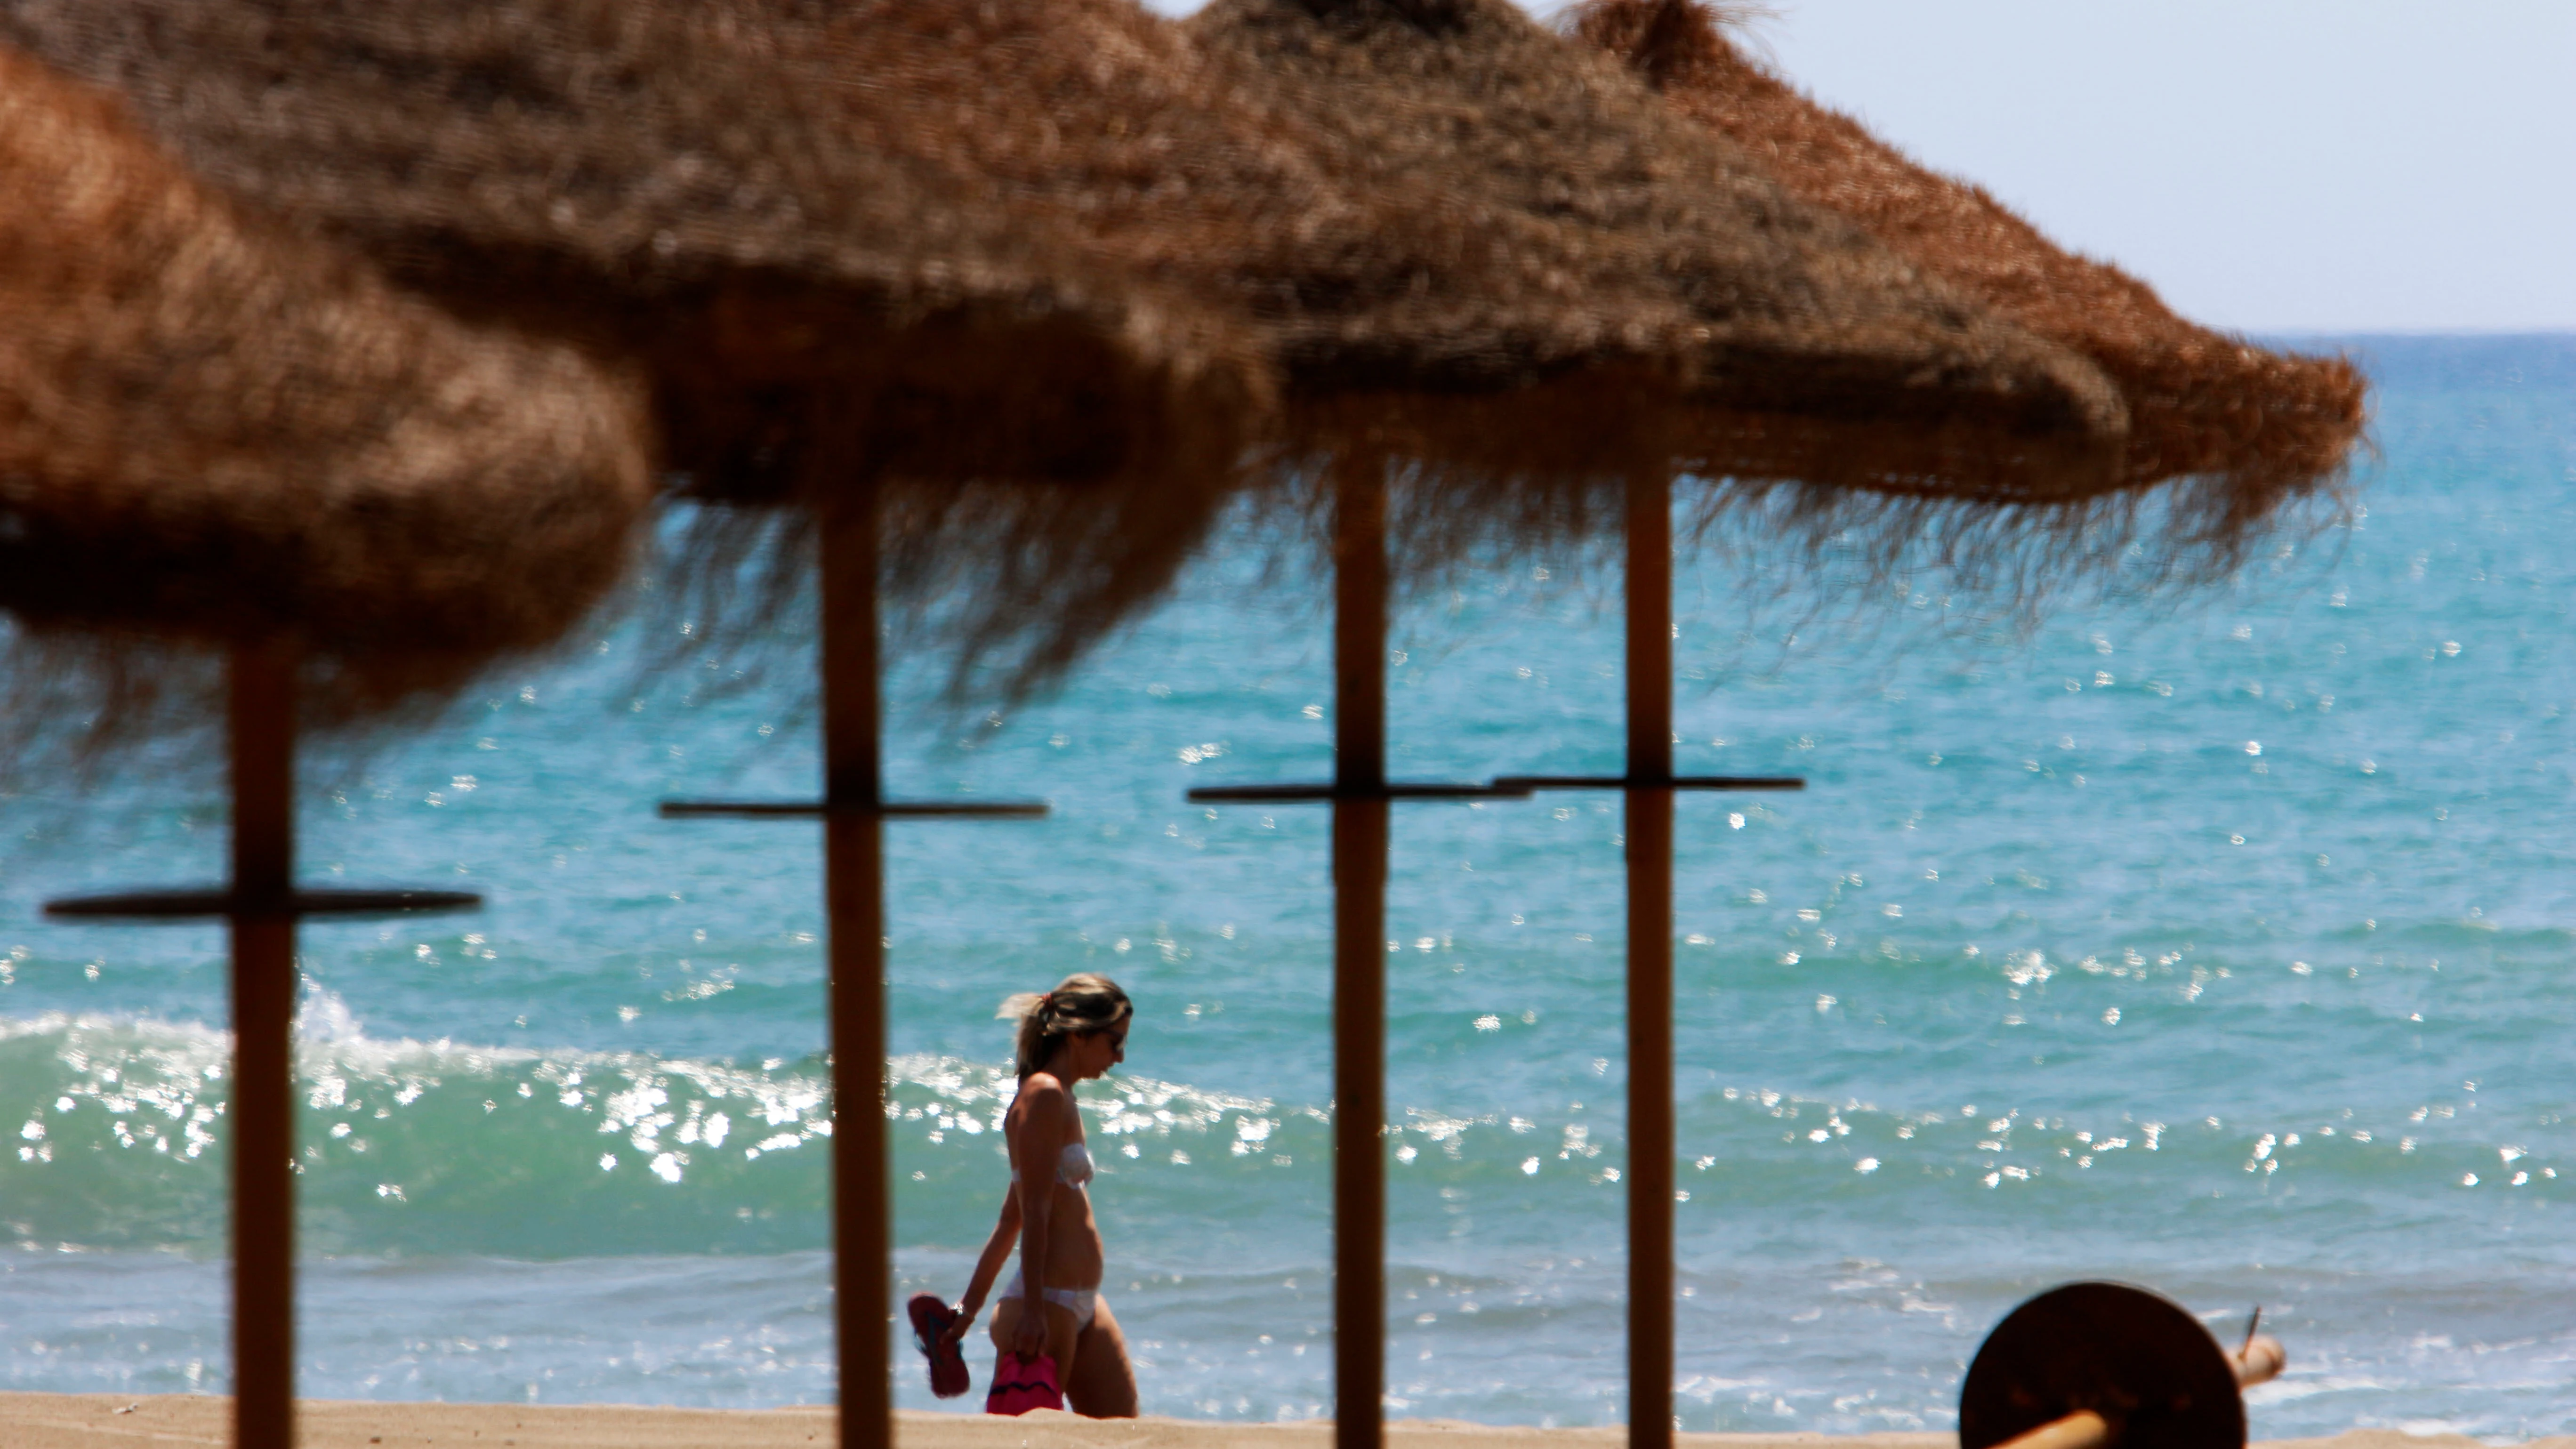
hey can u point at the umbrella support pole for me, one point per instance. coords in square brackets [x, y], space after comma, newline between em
[260, 720]
[1360, 795]
[854, 895]
[1359, 954]
[1649, 834]
[262, 905]
[1648, 789]
[854, 811]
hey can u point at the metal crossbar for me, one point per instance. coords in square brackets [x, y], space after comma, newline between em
[224, 902]
[1524, 784]
[1503, 787]
[1251, 794]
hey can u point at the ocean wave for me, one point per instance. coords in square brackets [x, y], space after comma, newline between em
[439, 1147]
[442, 1147]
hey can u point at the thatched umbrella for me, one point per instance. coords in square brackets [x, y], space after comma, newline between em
[216, 435]
[671, 183]
[1808, 359]
[2247, 426]
[2237, 431]
[309, 430]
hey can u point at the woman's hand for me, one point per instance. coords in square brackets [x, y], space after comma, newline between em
[1029, 1335]
[955, 1332]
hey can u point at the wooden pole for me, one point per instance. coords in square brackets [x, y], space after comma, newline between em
[261, 728]
[2082, 1429]
[1650, 963]
[854, 871]
[1359, 954]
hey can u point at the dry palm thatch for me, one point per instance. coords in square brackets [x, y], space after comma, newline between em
[1743, 332]
[1488, 273]
[1172, 160]
[2249, 427]
[675, 183]
[213, 432]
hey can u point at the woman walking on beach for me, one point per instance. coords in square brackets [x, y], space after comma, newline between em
[1053, 1306]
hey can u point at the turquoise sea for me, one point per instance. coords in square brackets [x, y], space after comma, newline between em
[2219, 942]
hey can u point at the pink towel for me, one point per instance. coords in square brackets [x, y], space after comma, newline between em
[1021, 1384]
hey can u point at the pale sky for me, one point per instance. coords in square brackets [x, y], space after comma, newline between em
[2269, 165]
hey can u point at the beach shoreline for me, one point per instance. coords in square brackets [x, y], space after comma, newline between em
[118, 1421]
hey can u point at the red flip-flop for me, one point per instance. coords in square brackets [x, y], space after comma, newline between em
[931, 1316]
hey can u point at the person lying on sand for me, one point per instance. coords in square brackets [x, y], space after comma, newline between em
[1053, 1305]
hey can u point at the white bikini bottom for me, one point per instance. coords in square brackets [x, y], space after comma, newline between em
[1082, 1303]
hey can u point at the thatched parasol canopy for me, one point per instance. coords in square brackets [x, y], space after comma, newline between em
[2255, 427]
[1588, 282]
[679, 184]
[216, 433]
[654, 178]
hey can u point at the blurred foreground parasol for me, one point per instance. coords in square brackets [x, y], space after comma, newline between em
[680, 184]
[213, 433]
[218, 436]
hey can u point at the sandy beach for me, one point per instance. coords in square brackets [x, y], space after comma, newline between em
[103, 1421]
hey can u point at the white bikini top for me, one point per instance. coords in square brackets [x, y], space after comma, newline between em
[1072, 1166]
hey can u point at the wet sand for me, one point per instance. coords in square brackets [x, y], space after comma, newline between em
[103, 1421]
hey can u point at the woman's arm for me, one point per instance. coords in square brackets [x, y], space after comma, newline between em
[997, 1249]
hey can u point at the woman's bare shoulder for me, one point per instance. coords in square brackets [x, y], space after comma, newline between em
[1042, 1089]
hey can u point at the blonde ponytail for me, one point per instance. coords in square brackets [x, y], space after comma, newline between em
[1080, 1005]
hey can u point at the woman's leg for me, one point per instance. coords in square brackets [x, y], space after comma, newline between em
[1101, 1384]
